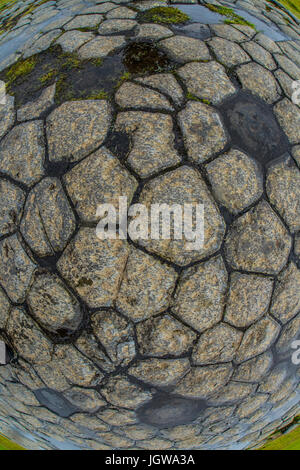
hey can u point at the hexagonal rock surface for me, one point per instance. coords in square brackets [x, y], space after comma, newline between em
[72, 40]
[16, 268]
[34, 109]
[207, 81]
[160, 372]
[248, 299]
[119, 391]
[98, 179]
[259, 81]
[184, 49]
[94, 267]
[22, 153]
[283, 188]
[7, 115]
[254, 369]
[146, 287]
[217, 345]
[27, 339]
[227, 52]
[288, 115]
[201, 382]
[11, 206]
[116, 336]
[183, 186]
[144, 127]
[163, 335]
[257, 339]
[236, 180]
[131, 95]
[4, 308]
[52, 305]
[76, 128]
[200, 295]
[48, 221]
[258, 241]
[203, 131]
[286, 300]
[100, 47]
[165, 83]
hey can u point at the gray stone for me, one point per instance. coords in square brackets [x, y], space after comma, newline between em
[184, 49]
[260, 55]
[88, 345]
[257, 339]
[11, 206]
[288, 66]
[286, 300]
[153, 31]
[233, 392]
[16, 269]
[76, 128]
[5, 307]
[165, 83]
[180, 186]
[73, 40]
[258, 241]
[259, 81]
[207, 81]
[228, 32]
[84, 21]
[203, 131]
[22, 153]
[283, 188]
[48, 221]
[254, 369]
[160, 372]
[296, 154]
[288, 115]
[289, 333]
[146, 287]
[119, 391]
[227, 52]
[267, 43]
[43, 43]
[236, 180]
[285, 81]
[248, 299]
[53, 306]
[34, 109]
[217, 345]
[143, 128]
[121, 12]
[116, 26]
[101, 47]
[200, 295]
[163, 335]
[7, 115]
[250, 405]
[132, 95]
[94, 267]
[98, 179]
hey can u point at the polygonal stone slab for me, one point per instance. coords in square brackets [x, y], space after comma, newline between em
[259, 81]
[7, 115]
[203, 131]
[289, 333]
[228, 32]
[258, 241]
[217, 345]
[233, 392]
[202, 382]
[84, 21]
[143, 128]
[94, 267]
[76, 368]
[267, 43]
[165, 83]
[163, 335]
[27, 339]
[11, 206]
[257, 339]
[88, 345]
[16, 269]
[248, 299]
[4, 308]
[200, 296]
[99, 179]
[112, 26]
[48, 221]
[228, 53]
[131, 95]
[72, 40]
[254, 369]
[146, 287]
[119, 391]
[34, 109]
[22, 153]
[87, 400]
[116, 335]
[121, 12]
[185, 49]
[160, 372]
[260, 55]
[100, 47]
[53, 306]
[286, 298]
[283, 188]
[275, 378]
[288, 115]
[183, 186]
[76, 128]
[288, 66]
[236, 180]
[207, 81]
[153, 31]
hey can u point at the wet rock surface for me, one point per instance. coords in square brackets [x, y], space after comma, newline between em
[146, 344]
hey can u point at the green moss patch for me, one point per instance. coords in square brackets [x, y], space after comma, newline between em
[232, 17]
[164, 15]
[20, 69]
